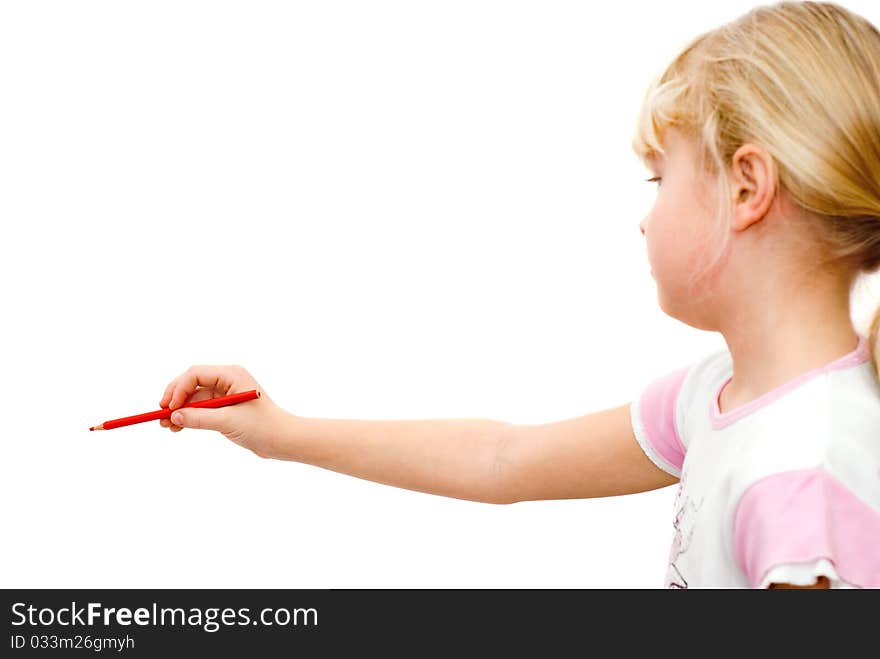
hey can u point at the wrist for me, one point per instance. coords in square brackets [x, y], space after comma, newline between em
[283, 440]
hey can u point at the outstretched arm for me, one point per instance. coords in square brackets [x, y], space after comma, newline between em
[595, 455]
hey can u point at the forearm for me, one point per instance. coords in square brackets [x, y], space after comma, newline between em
[460, 458]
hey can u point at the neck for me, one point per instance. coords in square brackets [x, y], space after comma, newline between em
[773, 340]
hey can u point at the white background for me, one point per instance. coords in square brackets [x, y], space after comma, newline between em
[380, 209]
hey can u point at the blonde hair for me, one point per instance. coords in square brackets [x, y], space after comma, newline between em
[801, 79]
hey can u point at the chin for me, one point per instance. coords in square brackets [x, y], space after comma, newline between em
[686, 310]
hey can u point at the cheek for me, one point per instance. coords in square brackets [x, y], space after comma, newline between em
[677, 245]
[663, 240]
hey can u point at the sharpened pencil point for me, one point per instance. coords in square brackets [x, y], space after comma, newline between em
[100, 427]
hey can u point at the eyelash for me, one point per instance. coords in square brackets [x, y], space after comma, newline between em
[656, 180]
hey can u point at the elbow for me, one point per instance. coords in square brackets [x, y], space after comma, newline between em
[501, 490]
[498, 499]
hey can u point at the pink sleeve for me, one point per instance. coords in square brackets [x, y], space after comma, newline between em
[653, 420]
[798, 517]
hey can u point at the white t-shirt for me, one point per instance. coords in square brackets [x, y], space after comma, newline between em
[783, 489]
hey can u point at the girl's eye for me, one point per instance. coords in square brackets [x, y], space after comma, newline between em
[656, 180]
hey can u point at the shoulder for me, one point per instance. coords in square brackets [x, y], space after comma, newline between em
[681, 384]
[660, 408]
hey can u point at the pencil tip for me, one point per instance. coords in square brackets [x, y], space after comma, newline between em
[91, 428]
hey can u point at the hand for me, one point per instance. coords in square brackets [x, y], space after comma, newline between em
[255, 425]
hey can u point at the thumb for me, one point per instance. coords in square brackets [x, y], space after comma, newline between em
[204, 418]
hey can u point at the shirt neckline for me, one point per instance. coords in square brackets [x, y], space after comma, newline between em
[719, 420]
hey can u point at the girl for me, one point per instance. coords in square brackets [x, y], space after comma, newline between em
[765, 134]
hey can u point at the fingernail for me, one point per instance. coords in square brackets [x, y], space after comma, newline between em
[177, 419]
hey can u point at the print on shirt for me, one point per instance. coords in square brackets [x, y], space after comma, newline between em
[684, 523]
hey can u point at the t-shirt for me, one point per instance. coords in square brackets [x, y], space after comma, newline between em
[783, 489]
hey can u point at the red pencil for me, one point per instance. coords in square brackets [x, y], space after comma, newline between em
[165, 412]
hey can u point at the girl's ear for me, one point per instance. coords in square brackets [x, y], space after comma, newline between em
[754, 185]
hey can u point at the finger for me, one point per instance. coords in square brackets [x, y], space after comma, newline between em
[166, 396]
[215, 378]
[202, 418]
[202, 393]
[169, 391]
